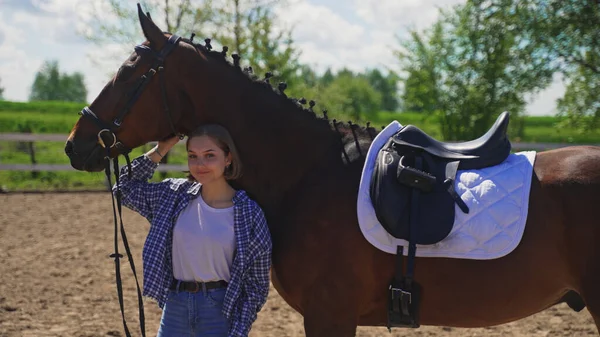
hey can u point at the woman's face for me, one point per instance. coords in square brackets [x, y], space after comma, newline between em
[206, 160]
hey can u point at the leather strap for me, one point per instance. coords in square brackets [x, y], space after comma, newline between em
[194, 287]
[116, 255]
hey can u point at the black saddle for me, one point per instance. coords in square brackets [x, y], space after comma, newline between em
[412, 160]
[487, 150]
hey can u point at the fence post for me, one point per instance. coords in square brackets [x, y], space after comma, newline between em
[30, 148]
[34, 173]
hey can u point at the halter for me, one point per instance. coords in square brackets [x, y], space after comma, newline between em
[108, 140]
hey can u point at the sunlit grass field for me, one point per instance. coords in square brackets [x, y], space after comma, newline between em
[59, 118]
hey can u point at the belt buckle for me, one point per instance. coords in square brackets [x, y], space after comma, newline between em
[197, 287]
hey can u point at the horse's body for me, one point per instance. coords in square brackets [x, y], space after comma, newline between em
[342, 279]
[322, 265]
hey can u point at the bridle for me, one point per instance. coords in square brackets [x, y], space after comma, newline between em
[107, 135]
[107, 139]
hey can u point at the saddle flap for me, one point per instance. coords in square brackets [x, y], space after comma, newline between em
[391, 200]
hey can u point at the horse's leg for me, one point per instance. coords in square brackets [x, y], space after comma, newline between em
[590, 287]
[591, 296]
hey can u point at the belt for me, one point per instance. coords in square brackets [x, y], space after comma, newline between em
[194, 286]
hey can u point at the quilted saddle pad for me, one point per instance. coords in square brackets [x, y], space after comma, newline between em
[497, 198]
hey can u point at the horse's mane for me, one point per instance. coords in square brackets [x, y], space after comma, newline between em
[350, 134]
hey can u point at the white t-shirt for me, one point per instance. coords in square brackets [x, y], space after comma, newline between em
[203, 243]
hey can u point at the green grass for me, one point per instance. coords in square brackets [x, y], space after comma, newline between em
[59, 118]
[36, 122]
[53, 153]
[50, 107]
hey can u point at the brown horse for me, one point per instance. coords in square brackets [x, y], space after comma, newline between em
[322, 265]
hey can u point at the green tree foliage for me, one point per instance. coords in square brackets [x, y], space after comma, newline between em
[566, 32]
[474, 63]
[327, 77]
[581, 102]
[387, 86]
[347, 94]
[51, 85]
[351, 96]
[422, 72]
[116, 21]
[262, 45]
[246, 27]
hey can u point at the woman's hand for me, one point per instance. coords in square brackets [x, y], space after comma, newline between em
[160, 150]
[165, 146]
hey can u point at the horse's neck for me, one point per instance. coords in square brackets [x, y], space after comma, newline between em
[279, 144]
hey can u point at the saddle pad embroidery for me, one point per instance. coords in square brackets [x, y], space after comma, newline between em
[497, 198]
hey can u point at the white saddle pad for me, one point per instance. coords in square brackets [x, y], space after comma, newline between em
[497, 198]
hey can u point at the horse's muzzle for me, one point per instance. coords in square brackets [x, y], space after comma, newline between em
[90, 161]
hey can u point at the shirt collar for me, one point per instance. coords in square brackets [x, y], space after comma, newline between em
[194, 189]
[239, 197]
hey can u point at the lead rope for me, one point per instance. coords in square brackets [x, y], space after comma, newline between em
[116, 254]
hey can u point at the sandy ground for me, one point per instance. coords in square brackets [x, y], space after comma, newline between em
[56, 279]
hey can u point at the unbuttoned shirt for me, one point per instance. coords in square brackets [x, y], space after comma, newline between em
[161, 203]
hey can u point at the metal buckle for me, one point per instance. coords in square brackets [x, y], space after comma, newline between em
[102, 141]
[398, 293]
[197, 288]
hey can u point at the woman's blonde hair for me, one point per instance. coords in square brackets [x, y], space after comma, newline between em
[221, 136]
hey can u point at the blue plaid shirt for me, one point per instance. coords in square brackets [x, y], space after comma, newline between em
[161, 203]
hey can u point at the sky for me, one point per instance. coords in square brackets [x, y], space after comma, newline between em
[356, 34]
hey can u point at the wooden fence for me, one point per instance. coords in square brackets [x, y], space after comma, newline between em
[34, 166]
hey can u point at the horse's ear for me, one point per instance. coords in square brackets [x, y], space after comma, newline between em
[152, 33]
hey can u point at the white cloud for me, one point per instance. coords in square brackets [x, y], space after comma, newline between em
[326, 39]
[320, 25]
[397, 15]
[36, 31]
[15, 64]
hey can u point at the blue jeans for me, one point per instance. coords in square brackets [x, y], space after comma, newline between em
[194, 314]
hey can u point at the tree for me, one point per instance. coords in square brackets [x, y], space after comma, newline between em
[351, 96]
[1, 92]
[566, 33]
[327, 77]
[422, 68]
[581, 102]
[266, 48]
[51, 85]
[386, 86]
[116, 21]
[245, 26]
[471, 65]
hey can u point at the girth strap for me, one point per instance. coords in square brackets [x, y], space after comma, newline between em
[451, 169]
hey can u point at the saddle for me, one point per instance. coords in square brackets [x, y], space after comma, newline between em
[413, 195]
[411, 159]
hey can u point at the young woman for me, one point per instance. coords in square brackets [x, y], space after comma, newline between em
[207, 256]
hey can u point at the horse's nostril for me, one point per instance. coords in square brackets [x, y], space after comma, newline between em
[69, 148]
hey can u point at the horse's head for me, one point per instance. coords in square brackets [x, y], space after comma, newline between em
[143, 102]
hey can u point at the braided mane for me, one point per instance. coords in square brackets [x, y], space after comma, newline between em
[349, 133]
